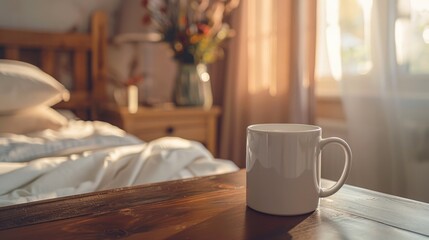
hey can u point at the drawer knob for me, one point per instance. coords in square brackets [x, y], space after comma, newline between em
[169, 130]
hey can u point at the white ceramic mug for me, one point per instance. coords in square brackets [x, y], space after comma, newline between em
[283, 168]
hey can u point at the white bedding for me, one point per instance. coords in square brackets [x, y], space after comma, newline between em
[90, 156]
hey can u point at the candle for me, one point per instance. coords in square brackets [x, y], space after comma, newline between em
[133, 102]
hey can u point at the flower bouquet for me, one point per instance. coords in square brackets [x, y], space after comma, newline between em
[194, 30]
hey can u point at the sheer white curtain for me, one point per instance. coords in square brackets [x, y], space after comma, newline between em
[366, 100]
[386, 103]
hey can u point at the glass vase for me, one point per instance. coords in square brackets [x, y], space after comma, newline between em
[192, 86]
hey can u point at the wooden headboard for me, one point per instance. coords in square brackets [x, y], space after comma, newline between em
[88, 60]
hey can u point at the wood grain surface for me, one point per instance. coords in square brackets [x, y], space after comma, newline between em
[211, 208]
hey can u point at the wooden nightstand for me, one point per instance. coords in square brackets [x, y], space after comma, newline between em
[151, 123]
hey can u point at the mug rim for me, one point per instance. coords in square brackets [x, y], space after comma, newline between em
[283, 128]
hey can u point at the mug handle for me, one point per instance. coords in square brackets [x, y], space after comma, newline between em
[325, 192]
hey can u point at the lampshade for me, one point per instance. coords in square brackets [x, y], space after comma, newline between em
[130, 27]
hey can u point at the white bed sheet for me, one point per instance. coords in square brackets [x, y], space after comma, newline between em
[91, 156]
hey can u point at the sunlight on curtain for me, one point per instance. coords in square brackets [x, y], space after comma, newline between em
[262, 46]
[333, 37]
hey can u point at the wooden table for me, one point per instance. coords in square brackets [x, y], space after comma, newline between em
[211, 208]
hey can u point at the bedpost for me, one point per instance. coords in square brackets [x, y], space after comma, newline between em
[98, 61]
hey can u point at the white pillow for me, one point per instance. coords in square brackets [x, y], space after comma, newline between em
[31, 120]
[23, 85]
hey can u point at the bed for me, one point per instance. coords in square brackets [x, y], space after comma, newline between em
[51, 144]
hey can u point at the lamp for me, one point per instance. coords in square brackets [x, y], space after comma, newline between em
[146, 57]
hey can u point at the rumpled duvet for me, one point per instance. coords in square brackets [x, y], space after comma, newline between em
[91, 156]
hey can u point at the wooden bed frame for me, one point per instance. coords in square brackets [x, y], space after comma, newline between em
[88, 61]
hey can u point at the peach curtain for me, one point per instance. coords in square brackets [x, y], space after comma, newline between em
[269, 70]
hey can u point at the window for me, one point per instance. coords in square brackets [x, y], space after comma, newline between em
[412, 36]
[347, 35]
[344, 37]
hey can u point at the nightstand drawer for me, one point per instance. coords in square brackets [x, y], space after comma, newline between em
[148, 129]
[151, 123]
[197, 133]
